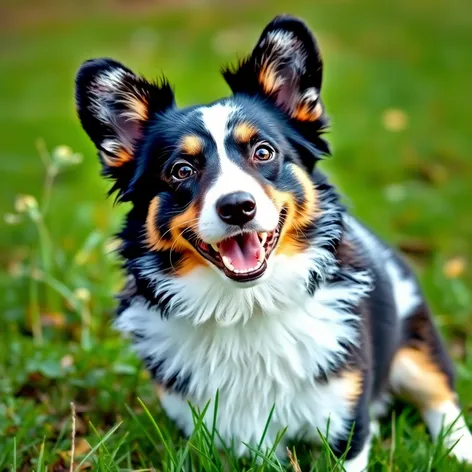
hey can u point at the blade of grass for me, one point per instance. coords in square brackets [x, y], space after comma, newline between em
[107, 452]
[215, 414]
[60, 436]
[442, 436]
[392, 448]
[59, 287]
[327, 448]
[341, 460]
[41, 457]
[278, 437]
[186, 450]
[34, 306]
[14, 455]
[73, 433]
[201, 453]
[447, 453]
[159, 432]
[146, 432]
[93, 240]
[95, 448]
[112, 455]
[264, 433]
[228, 451]
[117, 448]
[264, 457]
[206, 433]
[203, 435]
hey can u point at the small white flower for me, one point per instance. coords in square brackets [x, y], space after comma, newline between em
[11, 218]
[82, 294]
[25, 203]
[63, 155]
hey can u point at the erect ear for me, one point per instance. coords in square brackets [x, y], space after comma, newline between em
[114, 106]
[285, 67]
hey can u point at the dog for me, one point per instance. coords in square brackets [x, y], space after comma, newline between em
[246, 274]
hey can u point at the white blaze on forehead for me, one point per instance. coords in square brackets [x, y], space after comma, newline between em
[231, 178]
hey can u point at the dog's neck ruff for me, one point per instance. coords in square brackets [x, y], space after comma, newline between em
[203, 295]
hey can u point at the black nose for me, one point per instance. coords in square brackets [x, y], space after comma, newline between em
[236, 208]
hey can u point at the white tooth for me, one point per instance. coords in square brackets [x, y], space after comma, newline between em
[236, 271]
[261, 255]
[252, 269]
[263, 237]
[215, 247]
[227, 263]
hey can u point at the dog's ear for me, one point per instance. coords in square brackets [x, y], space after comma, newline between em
[114, 106]
[286, 68]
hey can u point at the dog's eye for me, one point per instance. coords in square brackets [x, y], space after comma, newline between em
[182, 171]
[263, 152]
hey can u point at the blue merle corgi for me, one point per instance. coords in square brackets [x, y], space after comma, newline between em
[246, 274]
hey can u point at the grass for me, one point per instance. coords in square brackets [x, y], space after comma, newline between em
[397, 84]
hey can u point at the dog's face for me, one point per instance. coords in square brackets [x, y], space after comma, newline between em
[225, 185]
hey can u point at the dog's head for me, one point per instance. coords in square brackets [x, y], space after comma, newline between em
[225, 185]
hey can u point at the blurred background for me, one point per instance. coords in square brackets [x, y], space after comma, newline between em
[396, 85]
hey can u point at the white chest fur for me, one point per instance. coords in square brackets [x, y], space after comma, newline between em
[269, 358]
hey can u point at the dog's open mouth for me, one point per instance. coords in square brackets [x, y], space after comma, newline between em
[242, 257]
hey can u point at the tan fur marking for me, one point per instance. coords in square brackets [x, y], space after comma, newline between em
[291, 238]
[268, 78]
[244, 132]
[304, 112]
[138, 107]
[353, 385]
[154, 239]
[287, 245]
[187, 219]
[415, 375]
[309, 208]
[190, 262]
[122, 157]
[191, 259]
[191, 145]
[174, 241]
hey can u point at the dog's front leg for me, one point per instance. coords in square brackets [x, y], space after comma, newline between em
[358, 436]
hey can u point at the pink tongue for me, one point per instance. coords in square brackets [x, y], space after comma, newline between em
[242, 250]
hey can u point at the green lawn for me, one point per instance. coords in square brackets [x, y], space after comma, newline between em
[397, 86]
